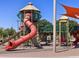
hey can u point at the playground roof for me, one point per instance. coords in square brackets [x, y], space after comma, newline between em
[29, 7]
[63, 17]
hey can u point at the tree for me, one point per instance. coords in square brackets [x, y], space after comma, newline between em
[10, 31]
[1, 32]
[57, 26]
[72, 23]
[44, 26]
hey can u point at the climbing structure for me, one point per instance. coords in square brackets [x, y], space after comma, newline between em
[28, 15]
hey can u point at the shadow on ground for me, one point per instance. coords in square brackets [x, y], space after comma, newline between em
[77, 46]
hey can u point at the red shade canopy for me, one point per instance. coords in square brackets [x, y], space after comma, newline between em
[71, 11]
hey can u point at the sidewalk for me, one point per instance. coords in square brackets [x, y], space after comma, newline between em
[40, 53]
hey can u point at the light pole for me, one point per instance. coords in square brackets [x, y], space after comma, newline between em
[54, 26]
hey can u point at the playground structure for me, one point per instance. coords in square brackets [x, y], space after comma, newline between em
[64, 26]
[28, 16]
[31, 15]
[63, 30]
[66, 36]
[13, 44]
[75, 33]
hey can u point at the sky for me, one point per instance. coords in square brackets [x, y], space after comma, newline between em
[10, 8]
[60, 10]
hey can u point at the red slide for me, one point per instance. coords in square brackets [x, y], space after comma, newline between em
[14, 44]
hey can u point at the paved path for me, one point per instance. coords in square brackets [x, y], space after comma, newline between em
[39, 53]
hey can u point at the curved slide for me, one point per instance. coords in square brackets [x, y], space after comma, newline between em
[14, 44]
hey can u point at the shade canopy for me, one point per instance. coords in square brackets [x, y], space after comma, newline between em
[71, 11]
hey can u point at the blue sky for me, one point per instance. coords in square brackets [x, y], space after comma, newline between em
[61, 10]
[10, 8]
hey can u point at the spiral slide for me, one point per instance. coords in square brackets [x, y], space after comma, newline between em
[16, 43]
